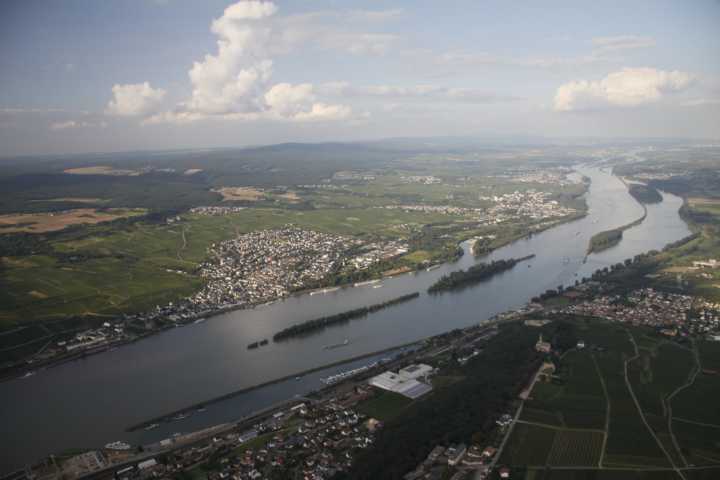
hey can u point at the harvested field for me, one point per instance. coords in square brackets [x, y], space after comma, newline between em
[73, 200]
[102, 170]
[240, 194]
[53, 221]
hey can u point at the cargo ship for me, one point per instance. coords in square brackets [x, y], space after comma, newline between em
[369, 282]
[118, 446]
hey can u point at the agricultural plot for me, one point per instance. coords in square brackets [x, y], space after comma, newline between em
[578, 402]
[575, 448]
[699, 402]
[629, 442]
[700, 445]
[528, 445]
[536, 415]
[606, 475]
[656, 374]
[384, 406]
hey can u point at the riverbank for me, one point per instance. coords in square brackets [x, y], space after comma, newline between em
[609, 238]
[187, 365]
[191, 408]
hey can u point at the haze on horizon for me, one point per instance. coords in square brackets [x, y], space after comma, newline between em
[87, 76]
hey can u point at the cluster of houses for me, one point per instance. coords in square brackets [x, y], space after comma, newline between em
[455, 462]
[268, 264]
[215, 211]
[528, 204]
[309, 441]
[673, 314]
[423, 179]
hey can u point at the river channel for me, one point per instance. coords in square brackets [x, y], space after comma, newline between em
[90, 402]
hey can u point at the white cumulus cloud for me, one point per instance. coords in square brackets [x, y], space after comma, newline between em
[235, 82]
[625, 88]
[134, 99]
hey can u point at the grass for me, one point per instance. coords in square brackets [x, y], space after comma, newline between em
[576, 448]
[578, 403]
[118, 270]
[528, 445]
[384, 406]
[657, 373]
[580, 474]
[699, 444]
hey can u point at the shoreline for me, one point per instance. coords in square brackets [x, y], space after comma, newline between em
[591, 249]
[168, 416]
[52, 363]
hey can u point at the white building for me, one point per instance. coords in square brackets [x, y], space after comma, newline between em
[416, 371]
[405, 381]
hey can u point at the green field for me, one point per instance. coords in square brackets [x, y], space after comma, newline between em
[107, 271]
[579, 402]
[528, 445]
[568, 415]
[384, 406]
[657, 373]
[576, 448]
[580, 474]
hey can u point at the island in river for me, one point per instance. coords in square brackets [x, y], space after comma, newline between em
[186, 366]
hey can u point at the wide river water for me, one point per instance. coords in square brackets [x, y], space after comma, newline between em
[90, 402]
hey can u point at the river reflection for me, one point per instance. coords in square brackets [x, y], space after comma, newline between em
[90, 402]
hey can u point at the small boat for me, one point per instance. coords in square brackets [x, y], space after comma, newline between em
[377, 286]
[28, 374]
[337, 345]
[199, 320]
[369, 282]
[152, 426]
[180, 416]
[297, 379]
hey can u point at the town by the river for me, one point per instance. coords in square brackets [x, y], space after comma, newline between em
[90, 402]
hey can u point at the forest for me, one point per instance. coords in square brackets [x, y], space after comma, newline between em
[322, 322]
[463, 412]
[474, 274]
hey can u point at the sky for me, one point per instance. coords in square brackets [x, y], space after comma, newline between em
[117, 75]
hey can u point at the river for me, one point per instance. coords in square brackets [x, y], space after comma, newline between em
[89, 402]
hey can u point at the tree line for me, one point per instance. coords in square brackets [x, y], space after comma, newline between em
[476, 273]
[322, 322]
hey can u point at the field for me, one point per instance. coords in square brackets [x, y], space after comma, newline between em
[243, 194]
[51, 222]
[108, 271]
[578, 403]
[384, 406]
[528, 445]
[618, 474]
[576, 448]
[699, 403]
[563, 421]
[703, 216]
[101, 170]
